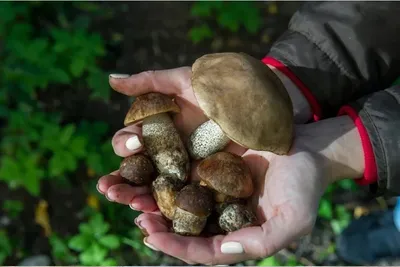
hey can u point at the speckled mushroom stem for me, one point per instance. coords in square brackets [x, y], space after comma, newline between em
[165, 146]
[206, 140]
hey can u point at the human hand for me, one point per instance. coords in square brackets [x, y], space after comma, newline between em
[288, 192]
[127, 141]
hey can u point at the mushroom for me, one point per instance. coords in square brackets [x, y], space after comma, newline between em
[137, 169]
[161, 139]
[227, 175]
[165, 188]
[194, 204]
[244, 101]
[236, 216]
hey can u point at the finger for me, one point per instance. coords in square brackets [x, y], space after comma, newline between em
[125, 193]
[265, 240]
[127, 141]
[151, 223]
[144, 203]
[192, 249]
[106, 181]
[170, 82]
[234, 148]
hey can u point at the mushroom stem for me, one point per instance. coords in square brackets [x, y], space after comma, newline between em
[165, 146]
[186, 223]
[165, 188]
[206, 140]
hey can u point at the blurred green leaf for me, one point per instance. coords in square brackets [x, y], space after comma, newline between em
[200, 33]
[110, 241]
[270, 261]
[79, 242]
[5, 246]
[325, 209]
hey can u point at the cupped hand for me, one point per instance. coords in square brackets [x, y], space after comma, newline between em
[288, 189]
[128, 141]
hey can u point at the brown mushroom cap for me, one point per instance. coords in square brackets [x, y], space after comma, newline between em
[246, 99]
[226, 173]
[195, 199]
[137, 169]
[149, 104]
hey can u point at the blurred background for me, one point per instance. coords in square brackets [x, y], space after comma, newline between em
[58, 114]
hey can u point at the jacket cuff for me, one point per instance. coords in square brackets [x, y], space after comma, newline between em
[315, 107]
[370, 172]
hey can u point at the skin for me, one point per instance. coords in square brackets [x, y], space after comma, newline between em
[288, 193]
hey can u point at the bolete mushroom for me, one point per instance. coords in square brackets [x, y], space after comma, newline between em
[165, 188]
[227, 175]
[244, 101]
[137, 169]
[236, 216]
[194, 204]
[161, 139]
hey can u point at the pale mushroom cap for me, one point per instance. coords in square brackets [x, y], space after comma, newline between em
[246, 99]
[149, 104]
[226, 173]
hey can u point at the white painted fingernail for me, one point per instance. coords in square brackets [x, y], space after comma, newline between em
[149, 245]
[231, 248]
[119, 76]
[133, 143]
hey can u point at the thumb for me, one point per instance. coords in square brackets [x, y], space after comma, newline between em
[170, 82]
[265, 240]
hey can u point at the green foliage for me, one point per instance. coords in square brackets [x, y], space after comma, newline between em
[36, 144]
[94, 243]
[5, 246]
[13, 207]
[229, 16]
[60, 252]
[270, 261]
[337, 215]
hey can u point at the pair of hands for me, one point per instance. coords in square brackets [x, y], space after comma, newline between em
[288, 187]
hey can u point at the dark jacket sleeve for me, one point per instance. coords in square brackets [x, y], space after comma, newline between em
[342, 50]
[377, 117]
[349, 52]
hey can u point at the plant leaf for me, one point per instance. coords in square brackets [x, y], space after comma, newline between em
[110, 241]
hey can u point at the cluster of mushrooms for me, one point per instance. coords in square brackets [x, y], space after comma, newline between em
[237, 93]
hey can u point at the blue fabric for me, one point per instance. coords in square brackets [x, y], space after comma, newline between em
[396, 214]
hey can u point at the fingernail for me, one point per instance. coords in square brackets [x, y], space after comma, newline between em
[141, 228]
[119, 76]
[133, 143]
[98, 189]
[231, 248]
[133, 206]
[111, 196]
[149, 245]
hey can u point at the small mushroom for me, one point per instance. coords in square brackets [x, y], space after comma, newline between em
[194, 205]
[137, 169]
[236, 216]
[161, 139]
[165, 188]
[227, 175]
[244, 101]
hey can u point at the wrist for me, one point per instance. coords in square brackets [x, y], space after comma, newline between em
[301, 108]
[338, 142]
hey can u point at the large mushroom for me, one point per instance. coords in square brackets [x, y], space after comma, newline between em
[161, 139]
[244, 101]
[227, 175]
[194, 204]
